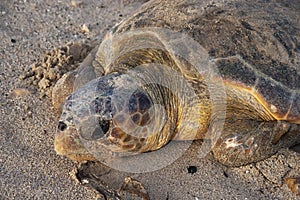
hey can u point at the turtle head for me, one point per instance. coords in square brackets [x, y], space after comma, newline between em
[112, 112]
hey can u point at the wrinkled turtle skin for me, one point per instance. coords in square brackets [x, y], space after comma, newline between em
[255, 47]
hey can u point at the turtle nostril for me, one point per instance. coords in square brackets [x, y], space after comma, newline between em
[62, 126]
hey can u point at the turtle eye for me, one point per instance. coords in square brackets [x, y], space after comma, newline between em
[104, 125]
[62, 126]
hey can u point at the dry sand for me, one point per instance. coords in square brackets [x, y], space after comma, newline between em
[29, 167]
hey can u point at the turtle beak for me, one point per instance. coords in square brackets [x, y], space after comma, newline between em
[67, 143]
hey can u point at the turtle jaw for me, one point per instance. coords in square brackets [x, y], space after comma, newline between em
[67, 143]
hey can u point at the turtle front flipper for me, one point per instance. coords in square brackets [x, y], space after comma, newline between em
[252, 141]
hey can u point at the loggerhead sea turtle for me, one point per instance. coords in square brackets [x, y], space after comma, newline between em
[254, 47]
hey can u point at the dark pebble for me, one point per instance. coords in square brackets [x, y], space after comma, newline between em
[192, 169]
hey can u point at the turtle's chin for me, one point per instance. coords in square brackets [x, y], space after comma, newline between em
[67, 143]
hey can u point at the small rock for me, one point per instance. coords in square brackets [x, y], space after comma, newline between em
[85, 28]
[192, 169]
[76, 3]
[52, 74]
[44, 83]
[29, 114]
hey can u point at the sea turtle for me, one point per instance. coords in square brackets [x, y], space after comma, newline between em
[135, 92]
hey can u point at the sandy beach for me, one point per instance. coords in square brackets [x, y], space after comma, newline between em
[29, 166]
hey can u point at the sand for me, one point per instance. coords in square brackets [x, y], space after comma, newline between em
[29, 166]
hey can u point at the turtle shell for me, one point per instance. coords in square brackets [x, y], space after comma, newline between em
[255, 45]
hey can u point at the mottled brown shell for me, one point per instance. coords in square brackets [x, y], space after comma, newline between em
[255, 46]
